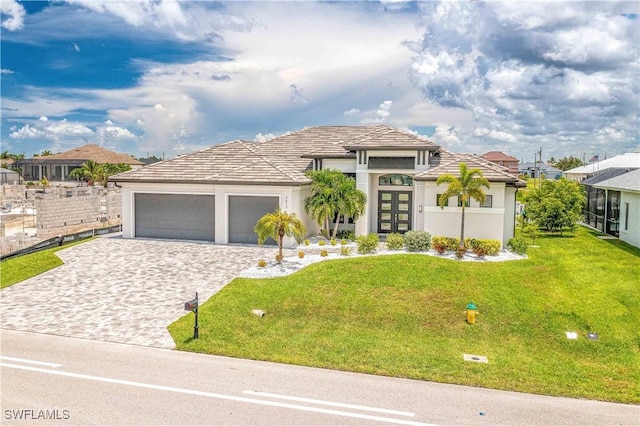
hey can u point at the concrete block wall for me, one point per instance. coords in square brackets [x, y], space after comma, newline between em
[64, 210]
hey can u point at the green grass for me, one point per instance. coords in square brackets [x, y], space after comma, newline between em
[403, 315]
[23, 267]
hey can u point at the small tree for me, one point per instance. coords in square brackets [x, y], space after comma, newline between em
[556, 205]
[277, 225]
[468, 185]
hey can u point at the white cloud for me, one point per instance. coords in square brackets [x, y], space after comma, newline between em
[15, 12]
[27, 132]
[534, 75]
[351, 112]
[6, 71]
[263, 138]
[43, 118]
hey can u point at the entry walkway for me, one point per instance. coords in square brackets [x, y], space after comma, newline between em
[122, 290]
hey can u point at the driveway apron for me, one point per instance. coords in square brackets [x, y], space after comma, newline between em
[123, 290]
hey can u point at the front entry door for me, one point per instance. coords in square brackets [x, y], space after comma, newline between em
[394, 212]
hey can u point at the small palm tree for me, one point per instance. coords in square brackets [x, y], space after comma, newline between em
[277, 225]
[468, 185]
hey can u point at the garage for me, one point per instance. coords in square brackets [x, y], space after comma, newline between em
[244, 213]
[175, 216]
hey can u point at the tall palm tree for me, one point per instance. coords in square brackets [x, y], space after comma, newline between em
[468, 185]
[277, 225]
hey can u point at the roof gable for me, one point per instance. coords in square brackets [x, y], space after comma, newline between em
[491, 171]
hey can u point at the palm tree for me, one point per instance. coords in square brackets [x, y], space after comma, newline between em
[277, 225]
[90, 170]
[333, 194]
[321, 204]
[468, 185]
[350, 201]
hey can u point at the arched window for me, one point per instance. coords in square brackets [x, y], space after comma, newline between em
[395, 180]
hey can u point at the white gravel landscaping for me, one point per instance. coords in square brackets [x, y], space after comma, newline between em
[293, 264]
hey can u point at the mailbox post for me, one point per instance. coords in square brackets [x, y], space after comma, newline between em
[192, 305]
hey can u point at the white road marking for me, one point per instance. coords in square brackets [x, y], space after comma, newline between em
[330, 403]
[29, 361]
[216, 395]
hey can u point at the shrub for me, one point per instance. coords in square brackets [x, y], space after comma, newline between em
[460, 251]
[395, 241]
[301, 254]
[322, 242]
[344, 234]
[417, 240]
[262, 263]
[279, 258]
[30, 184]
[333, 242]
[483, 247]
[324, 253]
[345, 251]
[343, 242]
[307, 242]
[439, 244]
[452, 243]
[518, 245]
[367, 243]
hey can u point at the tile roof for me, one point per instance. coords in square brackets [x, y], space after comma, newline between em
[491, 171]
[83, 153]
[279, 161]
[231, 162]
[629, 181]
[498, 156]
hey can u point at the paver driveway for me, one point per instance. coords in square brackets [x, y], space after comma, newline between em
[122, 290]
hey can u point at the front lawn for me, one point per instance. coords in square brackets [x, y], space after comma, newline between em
[403, 315]
[29, 265]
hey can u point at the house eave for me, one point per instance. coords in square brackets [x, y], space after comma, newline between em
[209, 182]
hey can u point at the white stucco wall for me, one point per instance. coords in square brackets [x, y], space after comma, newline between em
[631, 234]
[291, 200]
[480, 222]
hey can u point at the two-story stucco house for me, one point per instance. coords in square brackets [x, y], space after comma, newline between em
[219, 193]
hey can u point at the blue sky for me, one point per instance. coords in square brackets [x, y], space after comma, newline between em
[167, 78]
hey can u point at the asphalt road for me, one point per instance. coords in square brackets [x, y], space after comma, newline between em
[61, 380]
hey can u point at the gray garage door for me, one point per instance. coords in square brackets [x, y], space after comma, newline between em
[175, 216]
[244, 213]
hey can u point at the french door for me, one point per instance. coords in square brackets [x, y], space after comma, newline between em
[394, 212]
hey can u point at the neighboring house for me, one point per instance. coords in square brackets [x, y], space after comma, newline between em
[219, 193]
[9, 176]
[534, 170]
[613, 203]
[628, 160]
[56, 168]
[502, 159]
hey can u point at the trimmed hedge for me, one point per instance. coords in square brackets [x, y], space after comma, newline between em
[417, 240]
[368, 243]
[395, 241]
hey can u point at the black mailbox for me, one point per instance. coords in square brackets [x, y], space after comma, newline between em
[191, 305]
